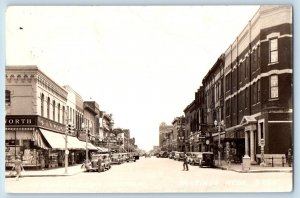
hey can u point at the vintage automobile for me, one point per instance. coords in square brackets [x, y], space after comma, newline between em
[131, 157]
[136, 156]
[207, 160]
[181, 156]
[116, 158]
[172, 154]
[195, 158]
[177, 155]
[96, 164]
[107, 161]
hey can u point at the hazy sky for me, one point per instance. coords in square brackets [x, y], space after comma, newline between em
[142, 64]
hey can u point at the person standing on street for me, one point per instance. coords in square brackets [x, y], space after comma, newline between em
[185, 163]
[18, 167]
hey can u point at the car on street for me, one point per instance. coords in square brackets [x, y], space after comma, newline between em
[181, 156]
[207, 160]
[95, 164]
[172, 154]
[131, 157]
[136, 156]
[177, 155]
[195, 158]
[116, 158]
[107, 161]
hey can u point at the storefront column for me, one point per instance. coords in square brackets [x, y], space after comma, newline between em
[246, 144]
[252, 147]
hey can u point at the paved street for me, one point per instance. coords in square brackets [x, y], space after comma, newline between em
[154, 175]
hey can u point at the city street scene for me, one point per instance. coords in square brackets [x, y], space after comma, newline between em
[149, 99]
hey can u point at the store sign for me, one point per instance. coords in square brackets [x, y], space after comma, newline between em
[49, 124]
[20, 121]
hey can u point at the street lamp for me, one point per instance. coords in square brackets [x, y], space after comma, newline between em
[86, 143]
[181, 139]
[68, 130]
[219, 125]
[191, 141]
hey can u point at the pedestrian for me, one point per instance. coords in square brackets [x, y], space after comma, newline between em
[185, 162]
[42, 162]
[99, 163]
[18, 167]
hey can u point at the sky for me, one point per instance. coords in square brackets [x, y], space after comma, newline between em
[143, 64]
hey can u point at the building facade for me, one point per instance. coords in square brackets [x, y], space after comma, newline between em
[258, 86]
[36, 118]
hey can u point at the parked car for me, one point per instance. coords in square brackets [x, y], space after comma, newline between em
[195, 158]
[181, 156]
[95, 164]
[116, 158]
[171, 154]
[131, 157]
[177, 155]
[165, 154]
[207, 160]
[136, 156]
[124, 157]
[107, 161]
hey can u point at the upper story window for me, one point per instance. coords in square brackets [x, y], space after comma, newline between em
[273, 50]
[48, 108]
[273, 86]
[7, 97]
[258, 91]
[42, 105]
[58, 112]
[63, 114]
[53, 110]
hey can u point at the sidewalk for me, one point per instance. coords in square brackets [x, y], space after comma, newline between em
[253, 168]
[53, 172]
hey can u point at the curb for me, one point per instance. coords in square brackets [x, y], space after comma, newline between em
[45, 175]
[255, 171]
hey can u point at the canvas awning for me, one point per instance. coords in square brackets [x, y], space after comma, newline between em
[38, 141]
[57, 140]
[89, 145]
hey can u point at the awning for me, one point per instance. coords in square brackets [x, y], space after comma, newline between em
[57, 140]
[89, 146]
[101, 149]
[38, 141]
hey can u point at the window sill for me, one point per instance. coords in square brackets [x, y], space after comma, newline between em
[273, 99]
[273, 63]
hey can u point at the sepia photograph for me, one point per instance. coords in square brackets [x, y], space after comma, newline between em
[149, 99]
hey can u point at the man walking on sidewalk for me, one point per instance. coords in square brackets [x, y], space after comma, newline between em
[185, 163]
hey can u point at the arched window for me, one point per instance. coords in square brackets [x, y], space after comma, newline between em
[48, 107]
[7, 97]
[63, 114]
[42, 105]
[53, 110]
[58, 112]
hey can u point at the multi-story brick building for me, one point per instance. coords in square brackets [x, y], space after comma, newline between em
[250, 88]
[258, 85]
[36, 118]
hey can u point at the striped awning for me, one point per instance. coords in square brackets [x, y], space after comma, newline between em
[57, 140]
[38, 141]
